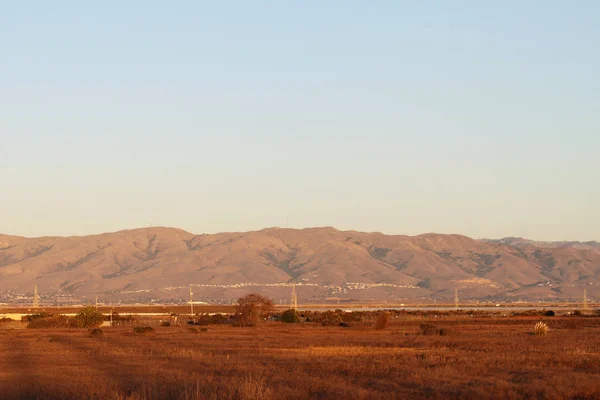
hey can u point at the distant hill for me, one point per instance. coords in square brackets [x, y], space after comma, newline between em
[520, 242]
[325, 263]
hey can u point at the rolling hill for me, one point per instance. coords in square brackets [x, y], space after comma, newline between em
[325, 263]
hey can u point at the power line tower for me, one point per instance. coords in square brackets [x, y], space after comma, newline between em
[585, 305]
[191, 301]
[294, 300]
[36, 298]
[456, 299]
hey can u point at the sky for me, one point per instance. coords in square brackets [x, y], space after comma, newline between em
[403, 117]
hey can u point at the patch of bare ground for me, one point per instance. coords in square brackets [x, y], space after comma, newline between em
[485, 358]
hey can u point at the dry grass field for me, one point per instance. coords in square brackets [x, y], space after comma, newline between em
[483, 358]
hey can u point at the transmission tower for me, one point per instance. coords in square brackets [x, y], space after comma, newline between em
[456, 299]
[585, 306]
[294, 300]
[191, 301]
[36, 298]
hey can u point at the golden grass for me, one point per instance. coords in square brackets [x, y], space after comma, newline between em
[485, 358]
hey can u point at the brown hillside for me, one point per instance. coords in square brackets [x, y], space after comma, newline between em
[160, 259]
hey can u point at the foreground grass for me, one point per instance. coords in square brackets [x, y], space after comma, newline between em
[479, 358]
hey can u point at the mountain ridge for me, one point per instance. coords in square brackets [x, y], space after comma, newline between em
[324, 261]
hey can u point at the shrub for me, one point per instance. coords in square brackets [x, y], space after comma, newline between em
[96, 332]
[52, 321]
[165, 323]
[549, 313]
[290, 316]
[382, 320]
[577, 313]
[89, 317]
[142, 330]
[540, 328]
[430, 330]
[40, 315]
[331, 319]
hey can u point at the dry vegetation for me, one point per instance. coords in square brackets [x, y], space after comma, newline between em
[476, 357]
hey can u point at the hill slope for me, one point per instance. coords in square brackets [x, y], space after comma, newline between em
[324, 261]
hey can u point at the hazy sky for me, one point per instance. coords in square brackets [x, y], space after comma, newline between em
[472, 117]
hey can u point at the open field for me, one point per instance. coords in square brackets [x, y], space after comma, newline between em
[476, 358]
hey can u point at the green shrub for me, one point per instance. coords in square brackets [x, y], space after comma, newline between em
[290, 316]
[549, 313]
[89, 317]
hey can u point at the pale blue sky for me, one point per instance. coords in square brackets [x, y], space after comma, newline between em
[472, 117]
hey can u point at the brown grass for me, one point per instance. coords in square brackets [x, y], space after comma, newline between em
[485, 358]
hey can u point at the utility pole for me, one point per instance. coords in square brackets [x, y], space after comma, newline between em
[36, 298]
[191, 301]
[294, 301]
[456, 299]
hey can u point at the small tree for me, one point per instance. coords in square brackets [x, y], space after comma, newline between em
[290, 316]
[251, 308]
[89, 317]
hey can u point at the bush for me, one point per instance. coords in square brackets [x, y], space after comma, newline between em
[382, 320]
[96, 332]
[540, 328]
[577, 313]
[52, 321]
[549, 313]
[142, 330]
[431, 330]
[290, 316]
[165, 323]
[40, 315]
[89, 317]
